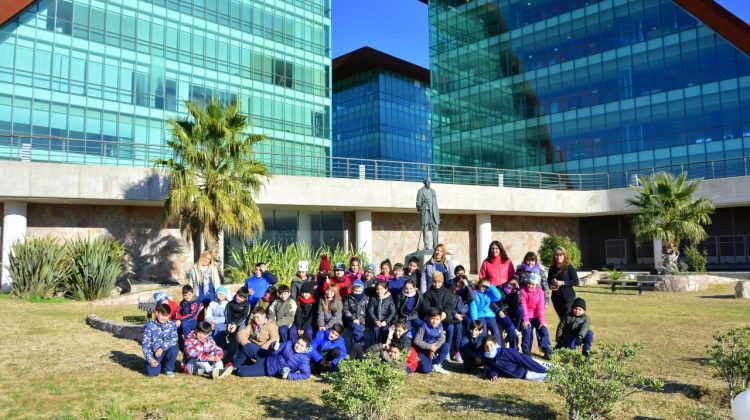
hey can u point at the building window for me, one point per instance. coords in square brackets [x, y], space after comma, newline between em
[283, 73]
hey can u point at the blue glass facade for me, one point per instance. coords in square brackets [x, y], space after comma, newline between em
[94, 81]
[380, 114]
[584, 86]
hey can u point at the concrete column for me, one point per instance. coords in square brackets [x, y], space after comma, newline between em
[221, 251]
[484, 237]
[657, 252]
[363, 219]
[14, 230]
[304, 228]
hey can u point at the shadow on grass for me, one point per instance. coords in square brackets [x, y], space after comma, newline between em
[718, 297]
[703, 361]
[500, 405]
[128, 360]
[293, 407]
[694, 392]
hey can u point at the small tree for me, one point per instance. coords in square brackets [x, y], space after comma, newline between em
[730, 356]
[214, 177]
[365, 389]
[696, 259]
[547, 250]
[668, 212]
[592, 386]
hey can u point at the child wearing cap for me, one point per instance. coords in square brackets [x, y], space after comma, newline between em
[340, 280]
[216, 312]
[381, 311]
[575, 329]
[282, 312]
[355, 312]
[303, 276]
[305, 316]
[534, 319]
[369, 279]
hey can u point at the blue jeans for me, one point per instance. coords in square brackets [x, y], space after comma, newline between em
[588, 341]
[165, 362]
[251, 350]
[459, 329]
[414, 326]
[445, 349]
[542, 335]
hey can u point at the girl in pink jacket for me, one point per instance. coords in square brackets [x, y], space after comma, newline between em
[532, 301]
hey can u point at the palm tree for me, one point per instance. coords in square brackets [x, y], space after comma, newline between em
[668, 211]
[214, 178]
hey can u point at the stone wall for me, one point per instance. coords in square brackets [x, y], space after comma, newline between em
[521, 234]
[154, 253]
[395, 235]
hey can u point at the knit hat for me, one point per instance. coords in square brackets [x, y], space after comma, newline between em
[579, 303]
[308, 287]
[340, 266]
[370, 267]
[160, 297]
[325, 264]
[302, 266]
[535, 278]
[358, 283]
[222, 290]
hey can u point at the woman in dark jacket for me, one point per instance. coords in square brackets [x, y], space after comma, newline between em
[561, 278]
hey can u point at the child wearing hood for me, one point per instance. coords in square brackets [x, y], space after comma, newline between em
[216, 312]
[381, 311]
[531, 265]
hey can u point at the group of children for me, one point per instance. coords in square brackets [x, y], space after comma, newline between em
[401, 314]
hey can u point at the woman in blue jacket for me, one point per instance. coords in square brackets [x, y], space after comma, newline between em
[290, 360]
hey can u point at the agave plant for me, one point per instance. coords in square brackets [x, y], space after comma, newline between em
[38, 267]
[95, 267]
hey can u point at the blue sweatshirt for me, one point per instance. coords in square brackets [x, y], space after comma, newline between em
[259, 285]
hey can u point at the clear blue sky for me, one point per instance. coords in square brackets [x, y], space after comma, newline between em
[400, 27]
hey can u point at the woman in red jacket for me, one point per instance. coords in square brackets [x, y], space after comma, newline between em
[497, 267]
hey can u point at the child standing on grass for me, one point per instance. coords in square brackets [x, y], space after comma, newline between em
[282, 312]
[575, 329]
[462, 297]
[259, 282]
[428, 341]
[160, 343]
[216, 312]
[204, 356]
[509, 363]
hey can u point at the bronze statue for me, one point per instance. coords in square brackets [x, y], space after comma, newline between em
[429, 215]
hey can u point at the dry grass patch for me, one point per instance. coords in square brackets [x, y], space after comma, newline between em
[57, 367]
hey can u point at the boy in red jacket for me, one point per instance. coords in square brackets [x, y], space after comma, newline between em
[203, 355]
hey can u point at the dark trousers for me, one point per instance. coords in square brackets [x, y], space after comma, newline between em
[165, 362]
[414, 325]
[358, 332]
[250, 351]
[329, 356]
[449, 329]
[516, 315]
[490, 325]
[562, 301]
[506, 324]
[295, 336]
[285, 333]
[469, 355]
[588, 341]
[459, 330]
[542, 336]
[426, 364]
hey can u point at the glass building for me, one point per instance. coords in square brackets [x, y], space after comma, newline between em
[589, 86]
[94, 81]
[381, 108]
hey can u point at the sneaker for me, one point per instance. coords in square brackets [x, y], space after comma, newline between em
[169, 374]
[548, 355]
[586, 353]
[215, 373]
[457, 358]
[440, 369]
[226, 372]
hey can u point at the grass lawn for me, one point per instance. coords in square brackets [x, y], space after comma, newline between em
[58, 367]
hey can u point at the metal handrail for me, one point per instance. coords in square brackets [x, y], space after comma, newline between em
[116, 153]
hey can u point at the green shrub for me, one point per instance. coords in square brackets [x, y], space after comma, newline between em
[96, 264]
[38, 267]
[282, 261]
[592, 386]
[547, 250]
[695, 258]
[612, 273]
[365, 389]
[730, 356]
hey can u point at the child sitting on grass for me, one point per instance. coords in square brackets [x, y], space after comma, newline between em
[305, 316]
[216, 312]
[290, 361]
[509, 363]
[355, 313]
[328, 349]
[204, 356]
[160, 343]
[187, 317]
[261, 332]
[398, 331]
[472, 346]
[282, 312]
[428, 341]
[575, 329]
[238, 310]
